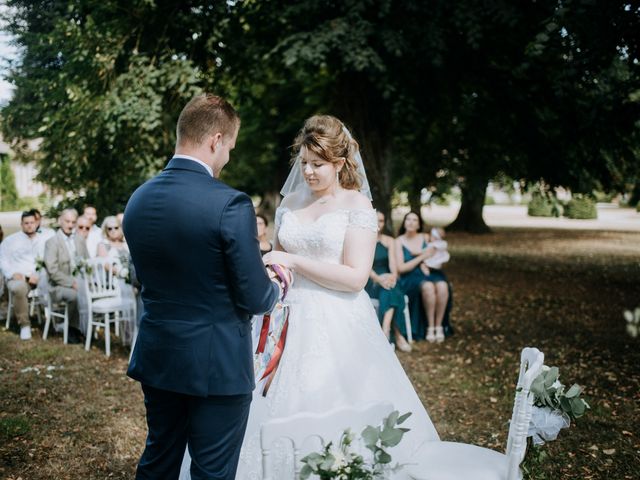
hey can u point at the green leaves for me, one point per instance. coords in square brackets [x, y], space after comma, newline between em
[549, 392]
[344, 464]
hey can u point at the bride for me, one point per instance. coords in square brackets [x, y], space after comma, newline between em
[336, 353]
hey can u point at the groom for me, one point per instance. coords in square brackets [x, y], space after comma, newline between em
[194, 246]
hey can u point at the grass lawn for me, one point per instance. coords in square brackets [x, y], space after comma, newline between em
[561, 291]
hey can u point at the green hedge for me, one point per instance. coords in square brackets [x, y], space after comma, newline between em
[543, 206]
[581, 207]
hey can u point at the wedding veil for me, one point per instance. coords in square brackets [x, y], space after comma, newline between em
[295, 180]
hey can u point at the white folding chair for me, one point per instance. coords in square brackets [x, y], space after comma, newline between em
[32, 298]
[324, 426]
[455, 461]
[104, 301]
[51, 312]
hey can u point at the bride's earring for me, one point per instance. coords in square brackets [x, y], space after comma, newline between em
[338, 177]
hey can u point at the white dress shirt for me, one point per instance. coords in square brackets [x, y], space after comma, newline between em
[197, 161]
[94, 238]
[18, 254]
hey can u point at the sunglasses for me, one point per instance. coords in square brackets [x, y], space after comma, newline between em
[81, 227]
[113, 228]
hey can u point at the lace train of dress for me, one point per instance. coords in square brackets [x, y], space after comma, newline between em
[336, 354]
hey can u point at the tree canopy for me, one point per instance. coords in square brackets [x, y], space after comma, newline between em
[437, 93]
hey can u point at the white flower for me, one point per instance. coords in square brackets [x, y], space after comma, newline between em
[632, 330]
[545, 368]
[341, 460]
[557, 384]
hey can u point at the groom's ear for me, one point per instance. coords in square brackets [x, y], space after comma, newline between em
[215, 141]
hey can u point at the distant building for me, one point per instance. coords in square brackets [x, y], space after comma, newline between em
[25, 173]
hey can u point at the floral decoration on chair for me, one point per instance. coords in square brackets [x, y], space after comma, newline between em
[553, 409]
[342, 463]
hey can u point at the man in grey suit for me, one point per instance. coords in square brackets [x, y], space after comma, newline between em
[60, 254]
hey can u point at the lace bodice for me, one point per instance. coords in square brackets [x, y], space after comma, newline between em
[322, 239]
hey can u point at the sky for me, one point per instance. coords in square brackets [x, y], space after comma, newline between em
[6, 52]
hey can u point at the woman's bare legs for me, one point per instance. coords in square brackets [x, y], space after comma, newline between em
[387, 318]
[442, 298]
[428, 291]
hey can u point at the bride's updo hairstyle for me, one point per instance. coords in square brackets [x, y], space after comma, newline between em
[327, 137]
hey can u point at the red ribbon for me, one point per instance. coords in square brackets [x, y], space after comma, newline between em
[264, 332]
[272, 366]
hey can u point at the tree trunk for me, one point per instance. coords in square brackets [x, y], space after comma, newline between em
[469, 217]
[359, 105]
[414, 200]
[635, 195]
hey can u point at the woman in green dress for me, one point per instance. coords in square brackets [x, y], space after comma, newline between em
[383, 286]
[427, 288]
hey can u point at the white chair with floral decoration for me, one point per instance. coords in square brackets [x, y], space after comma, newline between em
[301, 427]
[461, 461]
[105, 304]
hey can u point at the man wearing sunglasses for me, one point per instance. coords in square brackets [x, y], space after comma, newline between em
[83, 227]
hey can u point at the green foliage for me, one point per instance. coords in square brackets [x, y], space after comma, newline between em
[454, 96]
[542, 205]
[344, 464]
[549, 392]
[581, 207]
[12, 427]
[8, 192]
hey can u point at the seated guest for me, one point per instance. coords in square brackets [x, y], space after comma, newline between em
[95, 234]
[383, 286]
[83, 227]
[262, 223]
[113, 247]
[60, 255]
[18, 253]
[427, 288]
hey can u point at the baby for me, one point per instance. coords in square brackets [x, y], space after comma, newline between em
[442, 254]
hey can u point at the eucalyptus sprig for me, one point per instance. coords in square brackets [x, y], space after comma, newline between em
[549, 392]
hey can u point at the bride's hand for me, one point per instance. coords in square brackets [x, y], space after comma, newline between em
[282, 258]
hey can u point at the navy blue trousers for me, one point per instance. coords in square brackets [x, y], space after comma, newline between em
[213, 428]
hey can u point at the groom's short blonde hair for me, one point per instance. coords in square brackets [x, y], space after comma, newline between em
[205, 115]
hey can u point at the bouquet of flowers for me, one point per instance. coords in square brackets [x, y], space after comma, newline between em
[342, 463]
[553, 409]
[40, 264]
[123, 269]
[82, 267]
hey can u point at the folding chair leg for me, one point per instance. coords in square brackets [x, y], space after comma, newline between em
[407, 320]
[9, 308]
[107, 335]
[87, 343]
[65, 326]
[116, 317]
[47, 323]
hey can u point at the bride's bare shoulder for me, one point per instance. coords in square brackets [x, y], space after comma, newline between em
[354, 200]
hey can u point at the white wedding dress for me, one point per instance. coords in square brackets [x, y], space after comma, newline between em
[335, 353]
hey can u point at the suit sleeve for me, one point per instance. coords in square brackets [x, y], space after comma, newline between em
[252, 289]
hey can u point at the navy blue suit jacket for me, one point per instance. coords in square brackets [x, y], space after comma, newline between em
[194, 245]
